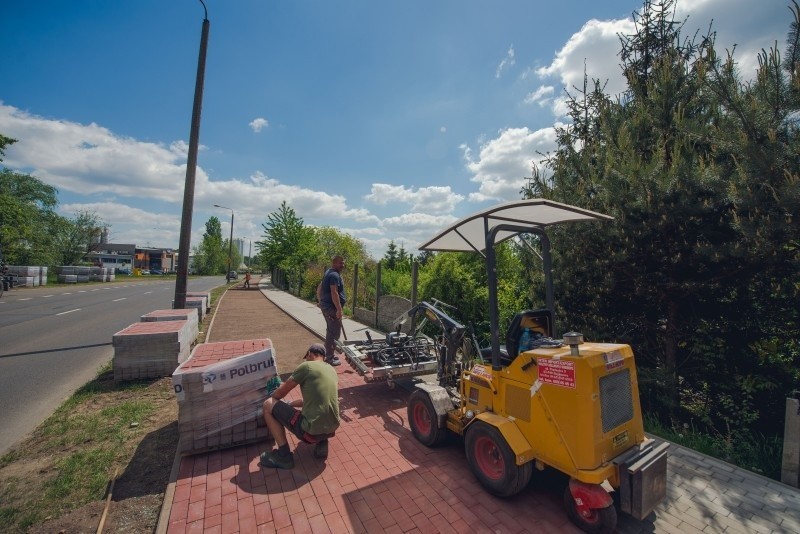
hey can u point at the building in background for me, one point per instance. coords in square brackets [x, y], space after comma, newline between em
[238, 244]
[126, 258]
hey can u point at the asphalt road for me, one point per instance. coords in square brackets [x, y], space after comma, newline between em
[53, 340]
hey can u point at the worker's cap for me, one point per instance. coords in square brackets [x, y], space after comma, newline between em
[316, 348]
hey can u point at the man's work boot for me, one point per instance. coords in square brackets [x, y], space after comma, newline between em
[321, 449]
[275, 459]
[335, 361]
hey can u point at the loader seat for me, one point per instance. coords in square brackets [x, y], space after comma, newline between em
[486, 354]
[540, 321]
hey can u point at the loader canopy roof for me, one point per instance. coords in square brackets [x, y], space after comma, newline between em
[469, 234]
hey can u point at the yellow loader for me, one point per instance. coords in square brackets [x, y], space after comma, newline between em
[563, 403]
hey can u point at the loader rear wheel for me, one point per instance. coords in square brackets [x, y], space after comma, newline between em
[592, 520]
[423, 420]
[493, 462]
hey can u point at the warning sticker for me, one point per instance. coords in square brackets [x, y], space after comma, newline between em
[557, 372]
[480, 370]
[613, 360]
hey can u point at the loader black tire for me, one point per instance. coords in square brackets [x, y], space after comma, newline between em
[598, 521]
[423, 420]
[493, 462]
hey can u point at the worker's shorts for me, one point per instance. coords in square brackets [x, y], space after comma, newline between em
[291, 418]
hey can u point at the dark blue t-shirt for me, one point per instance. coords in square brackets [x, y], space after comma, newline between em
[331, 277]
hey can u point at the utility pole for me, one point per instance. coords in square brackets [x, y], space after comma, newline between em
[181, 280]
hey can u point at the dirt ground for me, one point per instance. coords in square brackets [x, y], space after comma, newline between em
[139, 488]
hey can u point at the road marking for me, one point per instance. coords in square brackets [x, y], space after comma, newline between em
[96, 289]
[66, 293]
[70, 311]
[82, 291]
[28, 298]
[117, 300]
[46, 296]
[147, 292]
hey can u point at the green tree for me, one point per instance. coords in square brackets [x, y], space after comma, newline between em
[27, 214]
[288, 244]
[75, 237]
[390, 257]
[699, 171]
[4, 143]
[210, 257]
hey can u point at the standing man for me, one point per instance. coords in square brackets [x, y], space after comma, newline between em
[319, 418]
[331, 297]
[247, 280]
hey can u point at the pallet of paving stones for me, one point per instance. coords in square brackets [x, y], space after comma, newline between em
[28, 275]
[220, 390]
[201, 294]
[151, 349]
[196, 303]
[189, 315]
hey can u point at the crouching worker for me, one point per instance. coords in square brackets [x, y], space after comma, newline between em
[319, 416]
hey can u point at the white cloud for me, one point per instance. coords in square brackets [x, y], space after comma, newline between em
[503, 163]
[508, 61]
[433, 199]
[259, 124]
[540, 96]
[593, 51]
[89, 158]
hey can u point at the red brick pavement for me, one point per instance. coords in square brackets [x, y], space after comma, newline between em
[377, 478]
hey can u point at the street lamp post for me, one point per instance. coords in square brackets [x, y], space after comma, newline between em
[181, 280]
[230, 246]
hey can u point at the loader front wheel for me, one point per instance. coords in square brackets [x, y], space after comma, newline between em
[493, 462]
[423, 420]
[592, 520]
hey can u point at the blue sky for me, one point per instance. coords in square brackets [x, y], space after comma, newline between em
[385, 119]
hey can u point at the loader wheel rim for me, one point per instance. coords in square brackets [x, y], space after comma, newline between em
[422, 419]
[489, 458]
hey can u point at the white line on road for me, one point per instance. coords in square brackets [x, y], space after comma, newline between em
[47, 296]
[70, 311]
[147, 292]
[28, 298]
[66, 293]
[117, 300]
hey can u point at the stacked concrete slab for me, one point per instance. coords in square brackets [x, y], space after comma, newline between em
[201, 295]
[151, 349]
[28, 275]
[197, 303]
[189, 315]
[220, 390]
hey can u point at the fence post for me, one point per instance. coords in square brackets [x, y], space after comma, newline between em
[414, 274]
[377, 292]
[790, 467]
[355, 290]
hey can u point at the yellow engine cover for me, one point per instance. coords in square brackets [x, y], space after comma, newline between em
[576, 412]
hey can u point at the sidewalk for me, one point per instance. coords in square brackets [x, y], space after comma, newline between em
[378, 478]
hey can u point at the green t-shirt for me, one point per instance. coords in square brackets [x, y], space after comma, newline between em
[319, 385]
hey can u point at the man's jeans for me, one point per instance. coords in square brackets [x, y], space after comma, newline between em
[333, 329]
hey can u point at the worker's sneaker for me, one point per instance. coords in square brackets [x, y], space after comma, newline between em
[321, 449]
[277, 460]
[335, 361]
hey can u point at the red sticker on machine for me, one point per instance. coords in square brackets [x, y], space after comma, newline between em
[557, 372]
[613, 360]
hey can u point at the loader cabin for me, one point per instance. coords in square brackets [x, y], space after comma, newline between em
[481, 231]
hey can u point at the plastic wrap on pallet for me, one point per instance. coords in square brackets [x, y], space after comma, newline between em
[198, 303]
[220, 390]
[206, 295]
